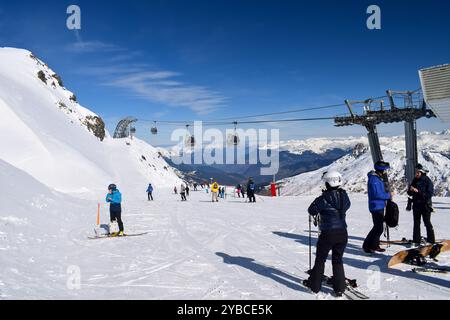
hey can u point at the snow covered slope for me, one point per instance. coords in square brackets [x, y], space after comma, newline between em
[434, 153]
[193, 250]
[47, 134]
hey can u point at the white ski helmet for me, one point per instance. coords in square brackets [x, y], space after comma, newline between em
[333, 178]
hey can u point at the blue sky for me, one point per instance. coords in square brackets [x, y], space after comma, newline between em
[202, 60]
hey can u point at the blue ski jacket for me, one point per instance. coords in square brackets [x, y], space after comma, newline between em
[377, 193]
[149, 189]
[114, 198]
[331, 207]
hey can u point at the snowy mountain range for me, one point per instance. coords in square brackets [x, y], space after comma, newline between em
[49, 135]
[434, 153]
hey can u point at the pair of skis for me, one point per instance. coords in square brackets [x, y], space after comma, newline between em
[440, 270]
[115, 235]
[351, 292]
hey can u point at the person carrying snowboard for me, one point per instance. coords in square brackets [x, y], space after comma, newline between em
[378, 196]
[114, 198]
[150, 192]
[215, 192]
[330, 209]
[422, 190]
[183, 192]
[251, 187]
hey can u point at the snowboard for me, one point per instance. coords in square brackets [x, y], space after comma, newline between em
[108, 236]
[421, 252]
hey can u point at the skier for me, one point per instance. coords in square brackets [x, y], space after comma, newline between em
[422, 190]
[183, 192]
[114, 198]
[175, 190]
[251, 190]
[377, 204]
[150, 192]
[214, 192]
[187, 190]
[238, 190]
[195, 187]
[330, 208]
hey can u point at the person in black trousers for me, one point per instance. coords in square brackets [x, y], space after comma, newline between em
[378, 196]
[330, 209]
[251, 188]
[422, 190]
[114, 198]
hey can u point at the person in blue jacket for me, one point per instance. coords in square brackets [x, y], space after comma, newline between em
[378, 196]
[330, 209]
[114, 198]
[150, 192]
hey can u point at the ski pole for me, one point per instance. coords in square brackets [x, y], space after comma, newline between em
[309, 242]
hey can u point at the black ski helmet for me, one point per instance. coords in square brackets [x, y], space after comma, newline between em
[422, 169]
[112, 187]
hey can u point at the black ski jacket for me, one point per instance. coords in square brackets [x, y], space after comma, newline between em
[426, 190]
[331, 207]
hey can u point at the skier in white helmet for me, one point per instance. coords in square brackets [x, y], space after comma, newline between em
[330, 209]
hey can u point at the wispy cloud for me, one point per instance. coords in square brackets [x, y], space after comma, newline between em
[159, 86]
[145, 82]
[92, 46]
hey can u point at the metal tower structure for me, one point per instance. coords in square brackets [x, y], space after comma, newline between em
[375, 112]
[124, 128]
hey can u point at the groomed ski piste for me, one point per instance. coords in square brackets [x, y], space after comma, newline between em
[193, 250]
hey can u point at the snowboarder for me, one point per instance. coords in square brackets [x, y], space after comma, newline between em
[114, 198]
[183, 192]
[150, 192]
[251, 190]
[330, 209]
[214, 192]
[422, 190]
[378, 196]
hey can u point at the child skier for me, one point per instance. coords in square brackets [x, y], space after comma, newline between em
[330, 209]
[114, 198]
